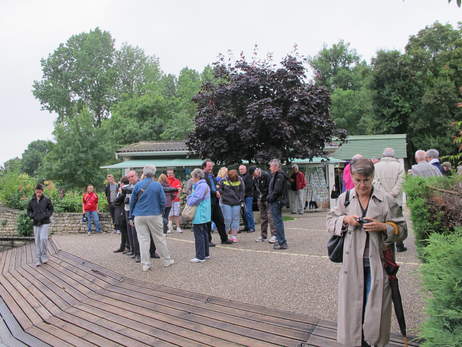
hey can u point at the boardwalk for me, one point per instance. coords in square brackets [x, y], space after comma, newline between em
[72, 302]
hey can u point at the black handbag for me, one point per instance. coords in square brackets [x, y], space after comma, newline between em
[335, 243]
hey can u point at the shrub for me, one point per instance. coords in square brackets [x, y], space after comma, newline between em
[442, 274]
[24, 225]
[16, 189]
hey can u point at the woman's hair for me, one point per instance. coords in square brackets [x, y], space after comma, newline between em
[233, 176]
[363, 167]
[222, 172]
[197, 173]
[124, 180]
[163, 178]
[149, 171]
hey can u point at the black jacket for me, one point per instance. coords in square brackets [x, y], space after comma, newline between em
[249, 185]
[232, 193]
[107, 192]
[40, 211]
[262, 184]
[278, 188]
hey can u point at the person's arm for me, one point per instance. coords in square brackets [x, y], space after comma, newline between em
[197, 195]
[242, 191]
[30, 211]
[96, 203]
[133, 199]
[83, 203]
[161, 198]
[50, 208]
[396, 190]
[337, 221]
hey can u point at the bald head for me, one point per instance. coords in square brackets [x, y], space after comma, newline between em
[420, 156]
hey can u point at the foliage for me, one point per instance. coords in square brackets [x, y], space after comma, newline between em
[418, 90]
[24, 226]
[442, 275]
[255, 111]
[33, 156]
[80, 150]
[435, 204]
[16, 189]
[12, 165]
[456, 159]
[71, 201]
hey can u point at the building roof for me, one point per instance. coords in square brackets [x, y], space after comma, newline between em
[372, 146]
[155, 146]
[140, 163]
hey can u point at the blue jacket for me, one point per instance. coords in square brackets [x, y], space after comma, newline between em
[149, 203]
[200, 197]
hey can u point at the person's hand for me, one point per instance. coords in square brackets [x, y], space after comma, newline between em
[374, 226]
[218, 195]
[132, 224]
[351, 220]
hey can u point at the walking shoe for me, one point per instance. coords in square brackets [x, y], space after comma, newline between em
[37, 264]
[226, 242]
[260, 239]
[234, 239]
[45, 261]
[129, 253]
[169, 262]
[137, 259]
[126, 251]
[401, 249]
[133, 255]
[89, 233]
[272, 239]
[196, 260]
[169, 231]
[250, 231]
[211, 244]
[178, 230]
[146, 268]
[155, 256]
[207, 257]
[118, 250]
[278, 246]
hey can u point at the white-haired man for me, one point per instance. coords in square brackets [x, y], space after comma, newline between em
[433, 157]
[389, 177]
[423, 168]
[146, 206]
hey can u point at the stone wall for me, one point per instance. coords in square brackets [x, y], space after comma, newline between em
[60, 222]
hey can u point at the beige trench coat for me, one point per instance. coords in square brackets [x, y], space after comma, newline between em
[377, 317]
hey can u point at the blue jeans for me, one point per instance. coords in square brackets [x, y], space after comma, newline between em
[93, 215]
[276, 213]
[249, 213]
[232, 215]
[201, 240]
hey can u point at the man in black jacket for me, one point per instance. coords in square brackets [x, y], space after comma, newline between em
[217, 215]
[40, 210]
[277, 198]
[262, 180]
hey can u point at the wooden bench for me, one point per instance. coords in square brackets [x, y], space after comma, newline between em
[72, 302]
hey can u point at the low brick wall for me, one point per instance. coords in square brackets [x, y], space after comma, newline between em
[60, 222]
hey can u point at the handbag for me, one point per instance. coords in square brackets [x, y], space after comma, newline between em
[335, 243]
[189, 212]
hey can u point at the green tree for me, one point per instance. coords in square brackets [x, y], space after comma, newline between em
[12, 165]
[79, 73]
[34, 155]
[79, 152]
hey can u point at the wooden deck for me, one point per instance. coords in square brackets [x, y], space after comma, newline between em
[71, 302]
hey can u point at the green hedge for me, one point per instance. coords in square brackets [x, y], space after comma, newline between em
[442, 274]
[24, 225]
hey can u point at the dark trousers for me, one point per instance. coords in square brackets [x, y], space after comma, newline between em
[165, 218]
[201, 240]
[124, 244]
[217, 218]
[266, 219]
[112, 209]
[152, 246]
[132, 237]
[276, 213]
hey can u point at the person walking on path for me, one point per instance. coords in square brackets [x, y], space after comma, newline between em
[277, 198]
[364, 217]
[175, 211]
[217, 215]
[40, 210]
[146, 206]
[423, 168]
[90, 209]
[262, 181]
[232, 192]
[389, 177]
[297, 190]
[200, 197]
[247, 177]
[111, 194]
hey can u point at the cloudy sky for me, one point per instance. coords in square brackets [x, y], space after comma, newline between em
[188, 33]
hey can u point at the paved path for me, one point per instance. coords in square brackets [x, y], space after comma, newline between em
[300, 279]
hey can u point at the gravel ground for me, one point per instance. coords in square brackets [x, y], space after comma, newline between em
[300, 279]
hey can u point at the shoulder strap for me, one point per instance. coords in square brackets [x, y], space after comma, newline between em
[347, 199]
[141, 191]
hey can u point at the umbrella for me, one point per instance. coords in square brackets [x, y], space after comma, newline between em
[391, 268]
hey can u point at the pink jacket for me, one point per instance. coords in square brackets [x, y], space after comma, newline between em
[347, 181]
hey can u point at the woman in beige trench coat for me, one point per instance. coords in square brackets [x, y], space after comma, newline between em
[364, 296]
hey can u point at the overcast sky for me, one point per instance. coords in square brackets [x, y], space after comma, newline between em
[188, 33]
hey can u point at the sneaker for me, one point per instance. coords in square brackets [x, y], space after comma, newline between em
[196, 260]
[45, 261]
[211, 244]
[234, 239]
[272, 239]
[137, 259]
[227, 242]
[178, 230]
[207, 257]
[169, 262]
[169, 231]
[278, 246]
[260, 239]
[146, 268]
[37, 264]
[251, 231]
[89, 233]
[401, 249]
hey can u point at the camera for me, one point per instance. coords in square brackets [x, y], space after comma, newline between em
[362, 220]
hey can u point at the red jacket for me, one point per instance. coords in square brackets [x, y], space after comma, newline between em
[90, 202]
[300, 181]
[175, 183]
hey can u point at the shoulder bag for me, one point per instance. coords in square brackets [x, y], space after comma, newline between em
[335, 243]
